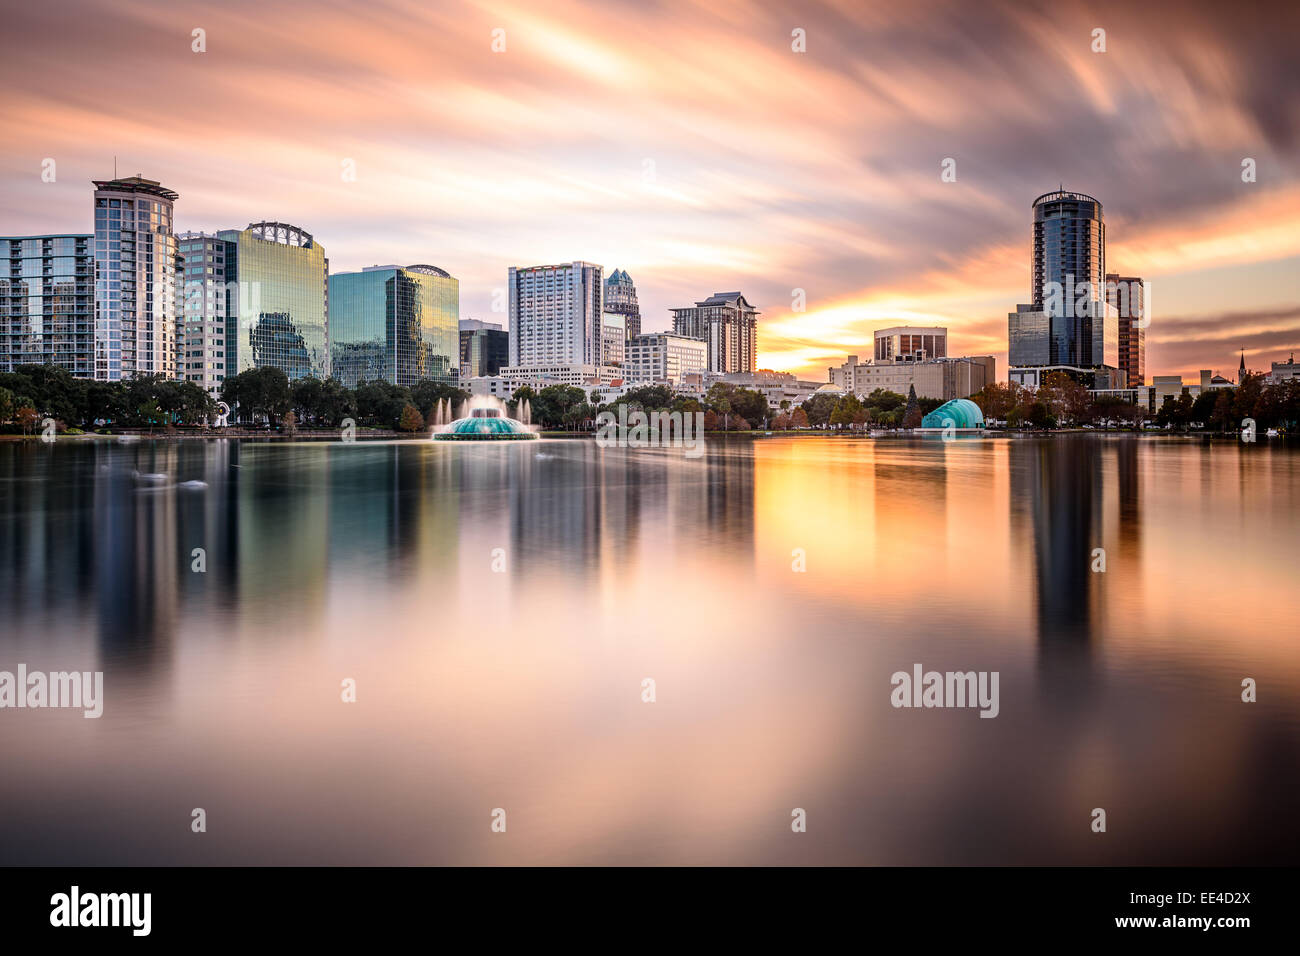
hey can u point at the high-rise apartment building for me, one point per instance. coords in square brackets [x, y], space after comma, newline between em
[620, 297]
[394, 324]
[136, 266]
[729, 326]
[47, 302]
[208, 296]
[284, 308]
[555, 314]
[1126, 296]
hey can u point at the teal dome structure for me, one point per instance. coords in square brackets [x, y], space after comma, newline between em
[961, 412]
[485, 424]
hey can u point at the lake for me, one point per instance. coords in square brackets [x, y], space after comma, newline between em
[502, 608]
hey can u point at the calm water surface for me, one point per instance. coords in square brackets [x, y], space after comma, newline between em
[522, 689]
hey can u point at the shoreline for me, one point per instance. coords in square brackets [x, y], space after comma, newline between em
[375, 435]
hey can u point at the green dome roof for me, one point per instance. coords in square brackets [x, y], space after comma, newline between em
[961, 412]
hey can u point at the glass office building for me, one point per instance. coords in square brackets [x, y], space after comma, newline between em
[1069, 249]
[395, 324]
[484, 348]
[284, 309]
[47, 303]
[135, 279]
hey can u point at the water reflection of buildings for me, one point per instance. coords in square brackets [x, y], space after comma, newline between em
[1055, 489]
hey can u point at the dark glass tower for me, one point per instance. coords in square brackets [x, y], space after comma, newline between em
[1069, 279]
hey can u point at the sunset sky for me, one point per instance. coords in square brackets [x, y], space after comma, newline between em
[688, 144]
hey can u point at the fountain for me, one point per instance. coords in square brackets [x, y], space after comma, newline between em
[483, 418]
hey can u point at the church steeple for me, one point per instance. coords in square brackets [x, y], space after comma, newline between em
[1241, 369]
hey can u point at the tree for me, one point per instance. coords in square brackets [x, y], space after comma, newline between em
[6, 404]
[553, 403]
[849, 412]
[799, 418]
[380, 403]
[912, 415]
[289, 423]
[27, 418]
[817, 409]
[412, 420]
[258, 391]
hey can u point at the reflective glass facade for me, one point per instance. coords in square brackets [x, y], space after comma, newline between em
[1068, 281]
[47, 303]
[284, 305]
[483, 351]
[135, 279]
[1028, 337]
[400, 325]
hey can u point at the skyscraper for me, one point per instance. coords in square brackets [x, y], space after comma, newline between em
[555, 314]
[47, 302]
[620, 298]
[285, 322]
[1125, 295]
[1069, 265]
[136, 266]
[208, 293]
[395, 324]
[729, 325]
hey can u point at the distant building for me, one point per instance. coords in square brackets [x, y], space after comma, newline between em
[660, 357]
[917, 357]
[284, 323]
[1093, 378]
[539, 376]
[484, 348]
[1286, 371]
[728, 324]
[395, 324]
[47, 302]
[776, 387]
[1126, 296]
[613, 338]
[620, 297]
[208, 292]
[1067, 323]
[909, 343]
[135, 279]
[555, 314]
[945, 378]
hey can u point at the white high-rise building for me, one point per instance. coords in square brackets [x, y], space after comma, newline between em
[555, 314]
[136, 267]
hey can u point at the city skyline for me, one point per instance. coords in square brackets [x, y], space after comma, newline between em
[763, 180]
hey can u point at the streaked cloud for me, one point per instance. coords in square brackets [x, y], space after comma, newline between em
[686, 143]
